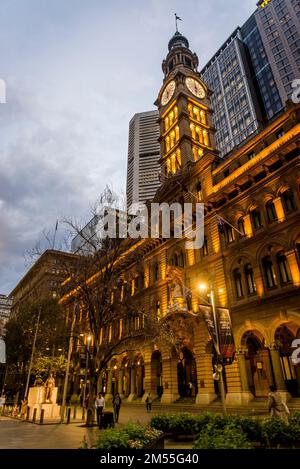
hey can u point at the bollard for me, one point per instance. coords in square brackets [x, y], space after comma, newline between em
[34, 416]
[28, 413]
[83, 414]
[69, 415]
[74, 413]
[42, 416]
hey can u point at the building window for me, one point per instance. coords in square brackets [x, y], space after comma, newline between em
[238, 285]
[288, 201]
[205, 247]
[156, 272]
[283, 267]
[269, 272]
[199, 192]
[251, 287]
[229, 235]
[241, 226]
[256, 219]
[271, 212]
[158, 311]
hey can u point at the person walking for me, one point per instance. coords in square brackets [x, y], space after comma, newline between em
[117, 401]
[277, 407]
[100, 406]
[148, 402]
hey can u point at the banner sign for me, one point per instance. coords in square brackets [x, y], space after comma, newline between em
[227, 348]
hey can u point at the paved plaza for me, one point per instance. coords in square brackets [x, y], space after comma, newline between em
[17, 434]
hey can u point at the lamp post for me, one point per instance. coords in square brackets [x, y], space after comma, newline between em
[217, 345]
[89, 338]
[32, 352]
[62, 415]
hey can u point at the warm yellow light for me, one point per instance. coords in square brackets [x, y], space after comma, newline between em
[202, 287]
[89, 338]
[221, 290]
[115, 367]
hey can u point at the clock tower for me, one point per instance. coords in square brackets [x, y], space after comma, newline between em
[186, 131]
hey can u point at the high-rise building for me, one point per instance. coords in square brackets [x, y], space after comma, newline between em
[143, 155]
[278, 23]
[235, 103]
[252, 73]
[5, 309]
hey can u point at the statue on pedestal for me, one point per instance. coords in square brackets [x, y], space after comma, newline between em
[49, 386]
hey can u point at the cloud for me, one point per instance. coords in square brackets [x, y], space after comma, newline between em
[76, 72]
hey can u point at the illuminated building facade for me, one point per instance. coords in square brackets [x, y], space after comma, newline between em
[253, 259]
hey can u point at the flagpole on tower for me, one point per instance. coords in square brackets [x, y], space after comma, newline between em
[176, 19]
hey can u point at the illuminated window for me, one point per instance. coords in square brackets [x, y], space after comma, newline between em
[199, 192]
[206, 138]
[271, 212]
[176, 133]
[250, 279]
[167, 144]
[283, 267]
[238, 285]
[241, 226]
[193, 131]
[269, 273]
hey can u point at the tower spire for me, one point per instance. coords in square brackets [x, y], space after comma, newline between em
[176, 21]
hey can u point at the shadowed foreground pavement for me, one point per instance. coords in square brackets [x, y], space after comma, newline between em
[17, 434]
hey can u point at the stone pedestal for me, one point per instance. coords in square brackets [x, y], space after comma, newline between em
[205, 398]
[238, 398]
[36, 398]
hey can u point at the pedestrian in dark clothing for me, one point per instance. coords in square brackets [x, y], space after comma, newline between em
[148, 402]
[117, 401]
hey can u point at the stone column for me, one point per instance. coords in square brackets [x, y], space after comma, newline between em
[120, 381]
[108, 394]
[279, 209]
[132, 394]
[246, 395]
[170, 380]
[147, 382]
[235, 394]
[277, 372]
[294, 268]
[248, 226]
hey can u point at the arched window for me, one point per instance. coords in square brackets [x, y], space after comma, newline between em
[206, 138]
[175, 260]
[199, 192]
[158, 311]
[203, 117]
[156, 272]
[271, 212]
[229, 234]
[269, 273]
[205, 247]
[238, 285]
[251, 287]
[256, 218]
[288, 201]
[241, 226]
[283, 267]
[181, 259]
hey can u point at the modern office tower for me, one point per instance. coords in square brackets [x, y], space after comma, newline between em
[254, 69]
[237, 113]
[270, 100]
[278, 23]
[143, 155]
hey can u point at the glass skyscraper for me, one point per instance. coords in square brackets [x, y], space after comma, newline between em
[251, 75]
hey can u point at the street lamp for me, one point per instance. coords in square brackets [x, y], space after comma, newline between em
[219, 367]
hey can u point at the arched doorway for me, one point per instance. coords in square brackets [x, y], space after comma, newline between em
[284, 337]
[258, 363]
[156, 373]
[187, 374]
[140, 374]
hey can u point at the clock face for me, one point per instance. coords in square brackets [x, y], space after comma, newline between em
[168, 93]
[195, 87]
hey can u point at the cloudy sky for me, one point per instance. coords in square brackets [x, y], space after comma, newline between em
[76, 72]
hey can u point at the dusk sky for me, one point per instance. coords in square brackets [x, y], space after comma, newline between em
[76, 72]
